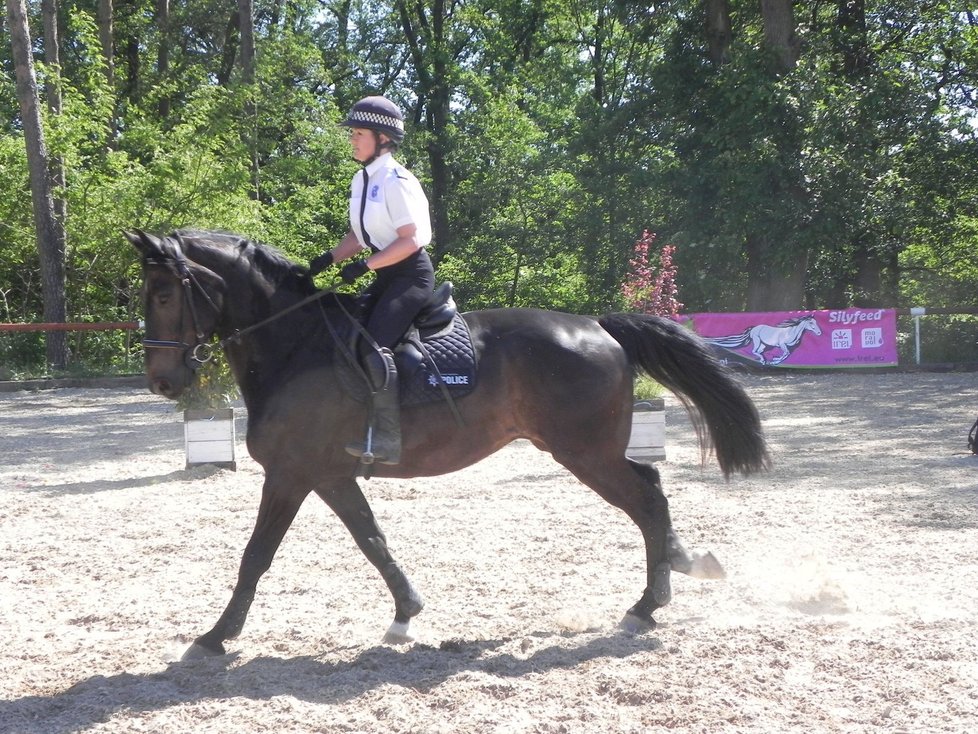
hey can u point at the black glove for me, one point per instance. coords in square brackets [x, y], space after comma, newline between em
[319, 264]
[352, 271]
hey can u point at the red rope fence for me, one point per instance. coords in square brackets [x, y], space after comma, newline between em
[78, 326]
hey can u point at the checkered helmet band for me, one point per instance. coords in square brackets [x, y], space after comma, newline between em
[374, 118]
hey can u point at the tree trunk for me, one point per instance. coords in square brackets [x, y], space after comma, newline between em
[868, 278]
[230, 51]
[52, 57]
[438, 116]
[49, 231]
[163, 53]
[876, 271]
[337, 58]
[777, 263]
[851, 20]
[105, 38]
[426, 37]
[597, 58]
[877, 277]
[779, 33]
[246, 24]
[134, 58]
[718, 31]
[773, 286]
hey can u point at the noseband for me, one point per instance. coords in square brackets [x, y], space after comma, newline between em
[201, 351]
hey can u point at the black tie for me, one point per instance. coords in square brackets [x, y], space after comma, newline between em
[363, 205]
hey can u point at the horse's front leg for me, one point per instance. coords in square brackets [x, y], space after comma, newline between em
[345, 499]
[279, 504]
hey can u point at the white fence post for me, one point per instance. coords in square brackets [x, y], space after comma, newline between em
[917, 312]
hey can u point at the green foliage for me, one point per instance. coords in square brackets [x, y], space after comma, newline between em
[213, 387]
[305, 165]
[21, 355]
[512, 212]
[571, 128]
[645, 388]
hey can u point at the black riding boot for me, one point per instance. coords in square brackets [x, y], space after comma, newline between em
[383, 442]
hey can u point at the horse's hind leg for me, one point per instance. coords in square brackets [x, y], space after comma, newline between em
[635, 488]
[347, 501]
[697, 564]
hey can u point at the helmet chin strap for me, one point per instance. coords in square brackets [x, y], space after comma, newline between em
[379, 149]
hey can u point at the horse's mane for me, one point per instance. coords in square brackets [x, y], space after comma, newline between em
[794, 320]
[271, 264]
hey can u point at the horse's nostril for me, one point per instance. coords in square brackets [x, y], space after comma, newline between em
[161, 386]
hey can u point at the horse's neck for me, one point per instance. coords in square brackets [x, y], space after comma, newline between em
[266, 357]
[261, 357]
[795, 333]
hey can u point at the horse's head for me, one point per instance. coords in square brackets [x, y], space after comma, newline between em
[811, 324]
[182, 304]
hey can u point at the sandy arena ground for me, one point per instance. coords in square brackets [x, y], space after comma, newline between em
[849, 607]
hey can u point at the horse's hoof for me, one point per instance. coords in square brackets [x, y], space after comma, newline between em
[706, 566]
[199, 652]
[632, 624]
[399, 633]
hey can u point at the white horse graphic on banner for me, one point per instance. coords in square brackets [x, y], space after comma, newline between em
[785, 336]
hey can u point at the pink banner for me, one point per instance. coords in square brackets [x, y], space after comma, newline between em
[853, 337]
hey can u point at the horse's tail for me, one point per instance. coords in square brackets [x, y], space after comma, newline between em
[730, 342]
[681, 362]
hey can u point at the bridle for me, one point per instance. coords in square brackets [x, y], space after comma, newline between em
[201, 351]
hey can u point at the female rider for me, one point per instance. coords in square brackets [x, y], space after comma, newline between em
[389, 217]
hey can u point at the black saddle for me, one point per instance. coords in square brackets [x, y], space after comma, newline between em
[438, 312]
[435, 359]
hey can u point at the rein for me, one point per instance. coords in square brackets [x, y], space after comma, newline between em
[202, 351]
[239, 333]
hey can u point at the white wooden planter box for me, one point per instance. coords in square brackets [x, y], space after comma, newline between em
[648, 439]
[209, 437]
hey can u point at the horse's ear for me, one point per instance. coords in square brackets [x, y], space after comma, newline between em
[147, 244]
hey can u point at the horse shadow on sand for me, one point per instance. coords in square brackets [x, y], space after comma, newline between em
[420, 667]
[97, 486]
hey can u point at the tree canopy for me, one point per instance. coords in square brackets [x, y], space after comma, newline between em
[815, 155]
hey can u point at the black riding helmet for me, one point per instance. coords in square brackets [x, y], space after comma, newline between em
[378, 114]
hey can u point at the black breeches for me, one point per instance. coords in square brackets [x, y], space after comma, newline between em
[399, 293]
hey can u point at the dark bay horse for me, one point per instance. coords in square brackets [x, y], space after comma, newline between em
[562, 381]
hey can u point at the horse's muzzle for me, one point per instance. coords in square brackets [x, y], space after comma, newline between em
[165, 387]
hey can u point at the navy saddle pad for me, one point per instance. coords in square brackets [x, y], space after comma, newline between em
[430, 364]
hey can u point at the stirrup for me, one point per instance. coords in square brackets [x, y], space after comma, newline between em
[366, 453]
[366, 457]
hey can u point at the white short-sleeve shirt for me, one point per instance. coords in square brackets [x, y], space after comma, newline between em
[394, 198]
